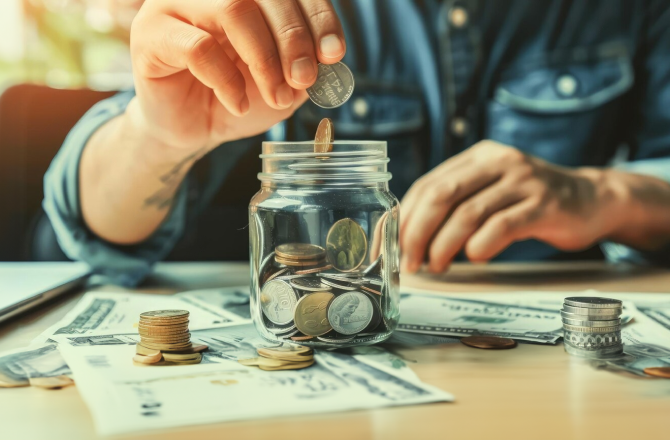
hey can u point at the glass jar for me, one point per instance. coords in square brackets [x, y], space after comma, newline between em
[324, 245]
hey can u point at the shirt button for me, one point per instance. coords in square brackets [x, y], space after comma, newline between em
[458, 17]
[566, 85]
[459, 127]
[361, 107]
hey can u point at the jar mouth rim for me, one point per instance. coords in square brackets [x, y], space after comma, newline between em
[333, 154]
[344, 142]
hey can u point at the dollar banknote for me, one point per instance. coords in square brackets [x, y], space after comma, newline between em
[233, 300]
[436, 314]
[124, 399]
[17, 367]
[117, 312]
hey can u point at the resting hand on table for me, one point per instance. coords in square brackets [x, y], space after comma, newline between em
[493, 195]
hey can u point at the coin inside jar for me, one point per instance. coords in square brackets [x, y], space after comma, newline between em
[300, 251]
[350, 313]
[309, 284]
[333, 87]
[311, 316]
[278, 300]
[346, 245]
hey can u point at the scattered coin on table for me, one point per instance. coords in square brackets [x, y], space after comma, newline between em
[658, 372]
[488, 342]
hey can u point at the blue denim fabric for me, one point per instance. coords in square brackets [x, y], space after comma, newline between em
[570, 82]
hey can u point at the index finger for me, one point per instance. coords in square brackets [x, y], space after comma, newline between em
[326, 29]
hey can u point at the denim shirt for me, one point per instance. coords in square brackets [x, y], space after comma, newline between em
[575, 83]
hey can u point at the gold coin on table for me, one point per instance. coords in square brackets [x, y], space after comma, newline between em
[167, 340]
[325, 135]
[167, 347]
[164, 314]
[140, 349]
[255, 362]
[311, 313]
[488, 342]
[51, 383]
[346, 245]
[658, 372]
[144, 359]
[300, 251]
[179, 357]
[291, 353]
[289, 366]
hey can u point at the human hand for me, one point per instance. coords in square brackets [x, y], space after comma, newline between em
[212, 71]
[493, 195]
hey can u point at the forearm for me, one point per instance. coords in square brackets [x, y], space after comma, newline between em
[637, 207]
[128, 180]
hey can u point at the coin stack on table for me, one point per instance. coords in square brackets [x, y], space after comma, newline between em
[286, 357]
[165, 339]
[592, 327]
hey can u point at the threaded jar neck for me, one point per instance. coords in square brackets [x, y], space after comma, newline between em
[296, 163]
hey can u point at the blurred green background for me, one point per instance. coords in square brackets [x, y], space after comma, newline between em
[66, 43]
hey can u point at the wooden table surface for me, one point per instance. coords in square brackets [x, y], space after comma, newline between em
[531, 392]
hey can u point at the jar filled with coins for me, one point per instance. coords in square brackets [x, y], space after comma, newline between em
[324, 244]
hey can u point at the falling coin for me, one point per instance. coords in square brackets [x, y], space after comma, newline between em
[346, 245]
[333, 87]
[489, 342]
[325, 135]
[658, 372]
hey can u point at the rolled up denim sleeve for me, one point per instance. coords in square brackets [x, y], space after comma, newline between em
[651, 137]
[124, 265]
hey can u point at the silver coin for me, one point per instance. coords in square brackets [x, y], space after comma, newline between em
[588, 318]
[278, 300]
[376, 281]
[593, 324]
[334, 85]
[287, 335]
[291, 277]
[333, 340]
[598, 353]
[350, 313]
[309, 284]
[338, 284]
[592, 302]
[614, 311]
[375, 267]
[591, 330]
[281, 330]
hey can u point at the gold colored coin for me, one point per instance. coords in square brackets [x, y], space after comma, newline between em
[141, 349]
[164, 314]
[293, 354]
[325, 135]
[163, 322]
[315, 270]
[167, 339]
[179, 357]
[51, 383]
[658, 372]
[311, 316]
[167, 347]
[299, 263]
[290, 366]
[346, 245]
[301, 338]
[300, 251]
[489, 342]
[255, 362]
[367, 289]
[143, 359]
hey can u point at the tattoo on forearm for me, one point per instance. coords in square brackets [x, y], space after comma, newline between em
[162, 199]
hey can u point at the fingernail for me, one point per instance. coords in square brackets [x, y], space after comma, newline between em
[244, 106]
[331, 46]
[303, 71]
[284, 96]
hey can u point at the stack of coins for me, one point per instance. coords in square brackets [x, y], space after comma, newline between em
[300, 255]
[286, 357]
[165, 339]
[592, 327]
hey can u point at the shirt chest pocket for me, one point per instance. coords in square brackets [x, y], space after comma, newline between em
[571, 114]
[389, 113]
